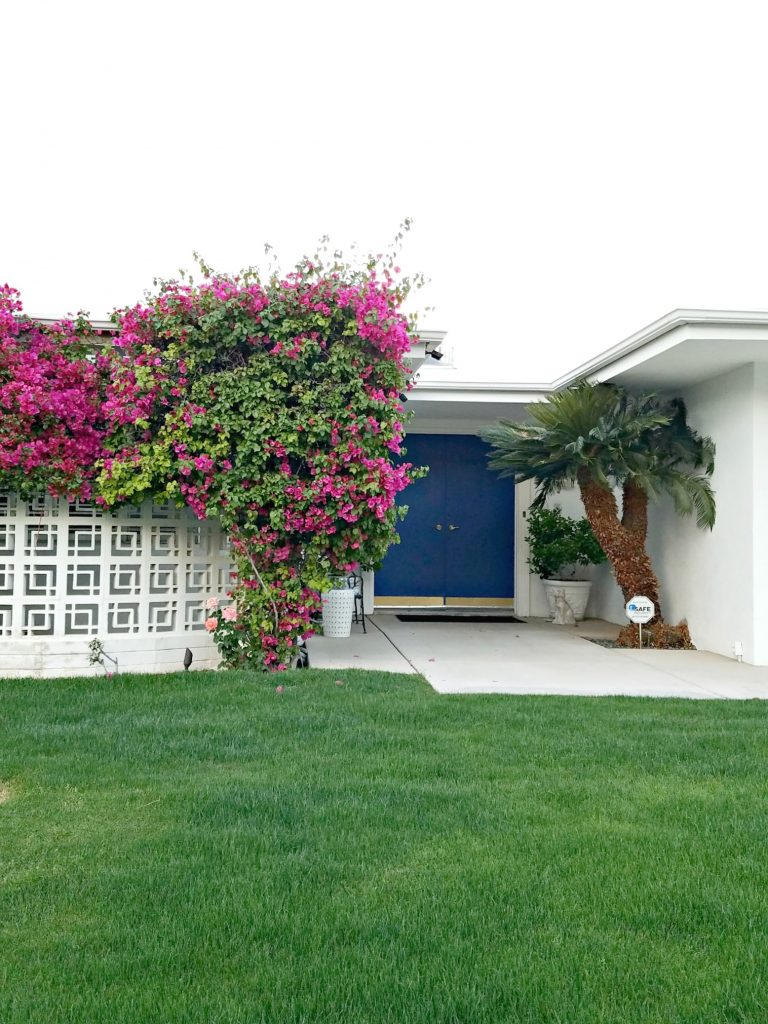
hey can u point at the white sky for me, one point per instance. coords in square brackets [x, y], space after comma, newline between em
[574, 170]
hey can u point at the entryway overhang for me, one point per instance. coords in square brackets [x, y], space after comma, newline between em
[680, 350]
[441, 407]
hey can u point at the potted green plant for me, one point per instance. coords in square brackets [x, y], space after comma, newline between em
[559, 548]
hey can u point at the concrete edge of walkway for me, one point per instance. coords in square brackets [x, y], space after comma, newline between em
[534, 657]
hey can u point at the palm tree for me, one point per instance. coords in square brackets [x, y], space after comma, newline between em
[600, 437]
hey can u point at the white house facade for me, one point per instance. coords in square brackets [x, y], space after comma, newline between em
[717, 361]
[138, 581]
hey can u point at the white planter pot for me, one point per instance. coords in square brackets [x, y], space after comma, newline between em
[576, 594]
[338, 609]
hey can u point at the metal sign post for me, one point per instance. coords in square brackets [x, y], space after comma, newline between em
[640, 609]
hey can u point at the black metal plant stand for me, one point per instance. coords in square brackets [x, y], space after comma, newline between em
[355, 582]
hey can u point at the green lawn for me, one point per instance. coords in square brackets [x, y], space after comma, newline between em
[201, 848]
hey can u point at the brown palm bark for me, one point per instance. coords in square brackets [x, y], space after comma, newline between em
[623, 544]
[634, 510]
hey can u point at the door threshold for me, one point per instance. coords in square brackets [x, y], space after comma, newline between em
[385, 604]
[500, 615]
[445, 609]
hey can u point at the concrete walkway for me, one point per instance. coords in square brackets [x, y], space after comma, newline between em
[535, 657]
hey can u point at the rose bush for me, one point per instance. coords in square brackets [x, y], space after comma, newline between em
[230, 635]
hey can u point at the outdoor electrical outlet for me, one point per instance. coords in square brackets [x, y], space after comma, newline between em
[738, 649]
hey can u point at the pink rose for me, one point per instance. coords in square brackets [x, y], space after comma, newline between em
[230, 613]
[211, 624]
[212, 604]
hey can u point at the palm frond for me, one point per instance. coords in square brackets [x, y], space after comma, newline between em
[691, 494]
[613, 435]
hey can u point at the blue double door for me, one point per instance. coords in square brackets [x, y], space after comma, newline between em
[457, 541]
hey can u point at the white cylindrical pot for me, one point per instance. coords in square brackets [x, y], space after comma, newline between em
[576, 594]
[338, 609]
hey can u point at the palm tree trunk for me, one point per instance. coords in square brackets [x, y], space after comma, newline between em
[634, 510]
[623, 545]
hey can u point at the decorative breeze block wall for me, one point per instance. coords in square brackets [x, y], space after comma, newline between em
[69, 571]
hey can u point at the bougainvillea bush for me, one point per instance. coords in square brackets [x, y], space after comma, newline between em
[274, 406]
[52, 391]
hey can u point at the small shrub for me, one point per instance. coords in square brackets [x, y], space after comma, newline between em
[559, 544]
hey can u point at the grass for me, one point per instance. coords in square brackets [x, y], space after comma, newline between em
[203, 849]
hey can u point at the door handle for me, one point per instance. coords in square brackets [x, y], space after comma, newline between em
[452, 527]
[438, 526]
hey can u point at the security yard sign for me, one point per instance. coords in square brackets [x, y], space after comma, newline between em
[640, 610]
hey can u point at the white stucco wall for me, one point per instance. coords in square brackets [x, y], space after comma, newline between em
[717, 580]
[709, 577]
[760, 529]
[606, 600]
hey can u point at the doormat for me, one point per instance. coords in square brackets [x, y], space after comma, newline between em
[454, 617]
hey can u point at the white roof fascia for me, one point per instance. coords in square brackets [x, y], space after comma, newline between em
[659, 336]
[97, 325]
[481, 391]
[432, 338]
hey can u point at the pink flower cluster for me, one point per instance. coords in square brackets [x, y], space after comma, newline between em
[50, 403]
[377, 318]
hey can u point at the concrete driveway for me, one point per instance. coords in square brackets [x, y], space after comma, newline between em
[535, 657]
